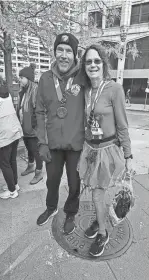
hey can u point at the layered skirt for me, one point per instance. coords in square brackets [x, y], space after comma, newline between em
[101, 165]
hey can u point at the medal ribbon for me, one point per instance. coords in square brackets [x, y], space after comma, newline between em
[58, 89]
[98, 94]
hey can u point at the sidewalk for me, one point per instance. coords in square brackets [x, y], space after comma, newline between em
[29, 252]
[138, 107]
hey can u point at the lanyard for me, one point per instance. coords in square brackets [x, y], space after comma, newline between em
[98, 93]
[58, 89]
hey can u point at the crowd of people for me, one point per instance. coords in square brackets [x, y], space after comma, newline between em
[75, 117]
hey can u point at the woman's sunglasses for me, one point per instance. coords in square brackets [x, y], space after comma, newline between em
[96, 61]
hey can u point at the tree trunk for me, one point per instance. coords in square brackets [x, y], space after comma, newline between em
[8, 61]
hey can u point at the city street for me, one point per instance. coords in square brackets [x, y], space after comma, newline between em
[138, 119]
[29, 252]
[139, 135]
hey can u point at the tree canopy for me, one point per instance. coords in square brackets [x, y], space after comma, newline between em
[44, 19]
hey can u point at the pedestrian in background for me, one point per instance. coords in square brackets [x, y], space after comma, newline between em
[26, 109]
[10, 133]
[127, 99]
[62, 138]
[106, 131]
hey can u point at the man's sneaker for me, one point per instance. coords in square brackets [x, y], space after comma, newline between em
[5, 188]
[7, 194]
[45, 216]
[98, 246]
[92, 231]
[69, 225]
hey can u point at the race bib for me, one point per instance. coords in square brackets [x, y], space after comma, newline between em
[96, 129]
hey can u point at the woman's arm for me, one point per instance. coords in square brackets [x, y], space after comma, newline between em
[118, 101]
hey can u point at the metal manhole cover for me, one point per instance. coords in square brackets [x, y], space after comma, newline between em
[76, 244]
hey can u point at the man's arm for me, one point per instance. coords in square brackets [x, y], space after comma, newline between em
[41, 114]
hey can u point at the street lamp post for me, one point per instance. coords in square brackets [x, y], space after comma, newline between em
[147, 91]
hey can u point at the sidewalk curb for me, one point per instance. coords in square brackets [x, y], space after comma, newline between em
[138, 110]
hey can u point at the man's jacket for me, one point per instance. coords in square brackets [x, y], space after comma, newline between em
[67, 133]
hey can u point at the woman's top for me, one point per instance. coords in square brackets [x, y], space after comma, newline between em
[10, 128]
[111, 113]
[26, 109]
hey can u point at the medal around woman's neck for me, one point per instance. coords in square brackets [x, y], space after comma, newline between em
[93, 128]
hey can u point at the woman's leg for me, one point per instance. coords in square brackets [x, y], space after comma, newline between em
[13, 160]
[102, 238]
[100, 206]
[33, 142]
[29, 149]
[5, 155]
[30, 167]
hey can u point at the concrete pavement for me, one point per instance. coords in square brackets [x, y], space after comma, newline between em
[138, 107]
[29, 252]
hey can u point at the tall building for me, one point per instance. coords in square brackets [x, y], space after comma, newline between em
[35, 50]
[125, 23]
[36, 54]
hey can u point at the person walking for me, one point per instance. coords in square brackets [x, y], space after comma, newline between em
[26, 111]
[61, 101]
[127, 100]
[102, 160]
[10, 133]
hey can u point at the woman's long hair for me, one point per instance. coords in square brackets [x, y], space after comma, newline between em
[106, 67]
[30, 93]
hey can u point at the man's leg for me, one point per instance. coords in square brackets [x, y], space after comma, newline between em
[72, 203]
[54, 173]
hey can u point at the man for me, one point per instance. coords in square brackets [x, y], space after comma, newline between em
[61, 97]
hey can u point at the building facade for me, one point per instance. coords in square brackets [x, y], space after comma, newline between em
[128, 27]
[35, 54]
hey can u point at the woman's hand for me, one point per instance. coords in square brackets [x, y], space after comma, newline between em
[129, 165]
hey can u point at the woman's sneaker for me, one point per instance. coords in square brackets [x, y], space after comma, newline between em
[5, 188]
[7, 194]
[92, 231]
[98, 246]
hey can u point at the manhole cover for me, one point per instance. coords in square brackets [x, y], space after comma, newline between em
[78, 245]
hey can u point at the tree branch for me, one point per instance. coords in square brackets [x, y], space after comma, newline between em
[2, 46]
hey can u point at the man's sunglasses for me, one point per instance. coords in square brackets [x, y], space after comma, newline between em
[96, 61]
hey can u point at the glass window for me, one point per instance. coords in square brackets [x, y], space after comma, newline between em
[44, 67]
[95, 19]
[140, 13]
[142, 61]
[113, 17]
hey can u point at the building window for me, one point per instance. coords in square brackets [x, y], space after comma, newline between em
[44, 55]
[113, 17]
[44, 67]
[44, 61]
[33, 53]
[140, 13]
[142, 60]
[95, 19]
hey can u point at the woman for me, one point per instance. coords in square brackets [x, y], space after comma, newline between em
[27, 116]
[10, 133]
[106, 131]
